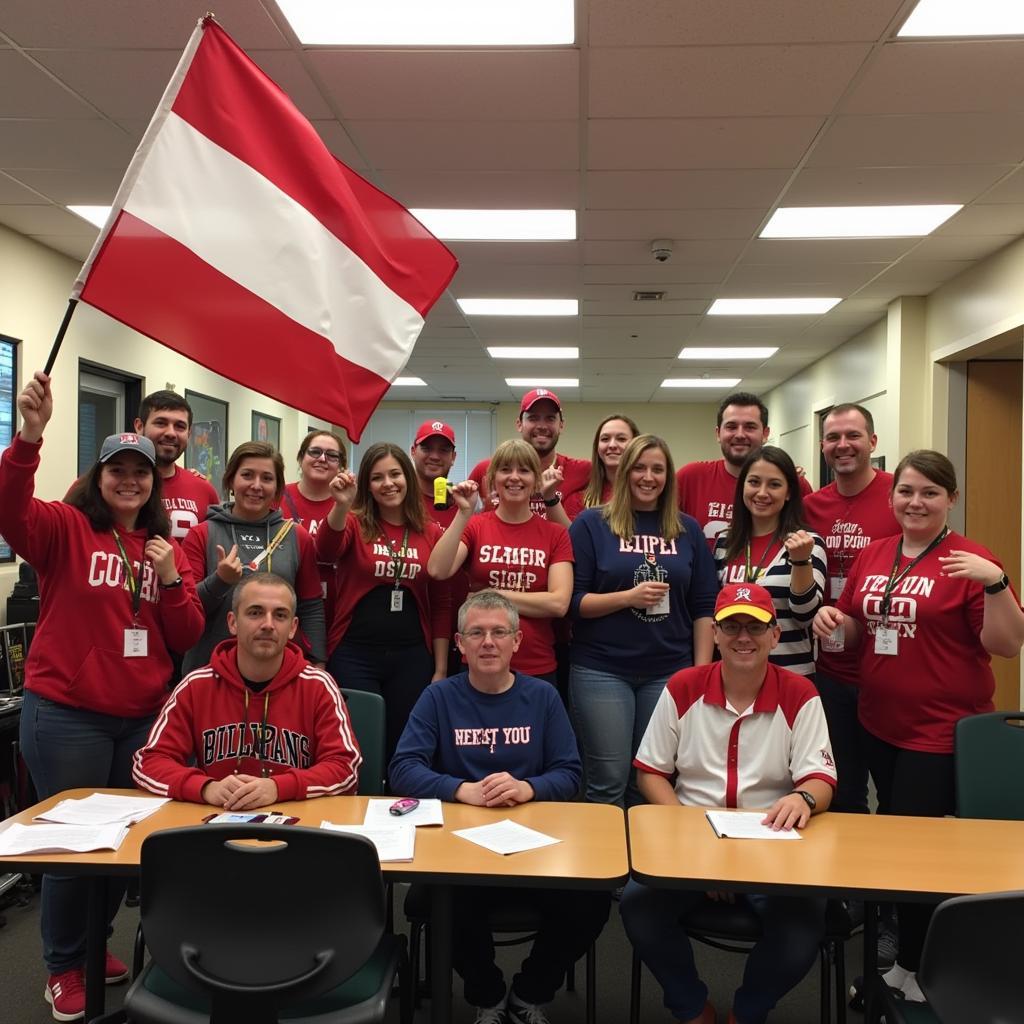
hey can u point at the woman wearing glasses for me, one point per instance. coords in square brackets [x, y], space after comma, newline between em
[926, 609]
[768, 543]
[390, 630]
[513, 550]
[308, 500]
[643, 597]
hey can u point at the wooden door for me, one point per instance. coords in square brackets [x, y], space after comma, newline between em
[992, 488]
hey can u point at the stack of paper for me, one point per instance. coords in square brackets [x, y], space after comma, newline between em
[103, 809]
[21, 839]
[394, 842]
[745, 825]
[506, 836]
[378, 812]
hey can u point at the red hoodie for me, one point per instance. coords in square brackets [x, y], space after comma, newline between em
[77, 654]
[309, 748]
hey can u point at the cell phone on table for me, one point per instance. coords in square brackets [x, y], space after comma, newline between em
[246, 818]
[400, 807]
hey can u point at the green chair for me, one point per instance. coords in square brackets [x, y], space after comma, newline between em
[990, 766]
[366, 712]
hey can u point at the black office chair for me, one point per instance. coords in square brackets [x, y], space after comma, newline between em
[241, 931]
[970, 964]
[511, 918]
[990, 766]
[734, 927]
[366, 713]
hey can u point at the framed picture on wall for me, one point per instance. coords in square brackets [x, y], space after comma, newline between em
[207, 447]
[266, 428]
[8, 377]
[878, 462]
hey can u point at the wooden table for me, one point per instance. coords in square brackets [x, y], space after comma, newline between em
[867, 857]
[592, 855]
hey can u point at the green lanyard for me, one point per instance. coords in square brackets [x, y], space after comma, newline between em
[397, 561]
[752, 576]
[134, 584]
[894, 578]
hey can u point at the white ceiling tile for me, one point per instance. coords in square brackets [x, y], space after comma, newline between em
[29, 92]
[856, 184]
[986, 219]
[687, 250]
[657, 275]
[682, 224]
[627, 307]
[627, 325]
[963, 75]
[678, 143]
[469, 145]
[827, 250]
[64, 144]
[93, 186]
[46, 220]
[523, 253]
[496, 85]
[13, 191]
[960, 247]
[1009, 190]
[839, 278]
[683, 190]
[695, 22]
[928, 273]
[624, 292]
[720, 81]
[506, 190]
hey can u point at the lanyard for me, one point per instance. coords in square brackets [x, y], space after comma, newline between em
[752, 576]
[262, 736]
[895, 577]
[397, 561]
[134, 582]
[268, 551]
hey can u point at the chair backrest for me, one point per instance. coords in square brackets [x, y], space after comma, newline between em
[366, 713]
[990, 766]
[290, 917]
[970, 964]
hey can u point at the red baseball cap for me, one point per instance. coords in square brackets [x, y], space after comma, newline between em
[434, 428]
[531, 398]
[744, 599]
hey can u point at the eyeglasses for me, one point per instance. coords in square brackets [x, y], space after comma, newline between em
[476, 635]
[322, 453]
[730, 628]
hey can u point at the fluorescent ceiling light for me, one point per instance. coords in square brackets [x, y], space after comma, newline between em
[93, 214]
[701, 382]
[530, 352]
[519, 307]
[857, 221]
[500, 225]
[714, 354]
[542, 382]
[956, 18]
[771, 307]
[439, 23]
[408, 382]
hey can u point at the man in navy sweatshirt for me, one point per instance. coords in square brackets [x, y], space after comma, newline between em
[496, 738]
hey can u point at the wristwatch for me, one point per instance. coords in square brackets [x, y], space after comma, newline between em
[552, 502]
[172, 585]
[801, 561]
[811, 802]
[998, 587]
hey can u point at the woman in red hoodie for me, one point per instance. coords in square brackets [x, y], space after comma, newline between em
[116, 595]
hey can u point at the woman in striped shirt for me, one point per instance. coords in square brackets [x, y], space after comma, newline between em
[768, 543]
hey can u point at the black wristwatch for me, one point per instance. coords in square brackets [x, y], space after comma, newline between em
[998, 587]
[801, 561]
[811, 802]
[172, 585]
[552, 502]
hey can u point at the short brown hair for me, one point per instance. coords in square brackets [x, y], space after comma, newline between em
[254, 450]
[308, 440]
[932, 464]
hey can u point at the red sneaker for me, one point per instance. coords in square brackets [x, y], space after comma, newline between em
[114, 971]
[65, 992]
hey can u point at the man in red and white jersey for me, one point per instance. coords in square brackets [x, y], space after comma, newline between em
[738, 733]
[706, 489]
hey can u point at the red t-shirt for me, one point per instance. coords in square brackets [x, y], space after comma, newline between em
[847, 525]
[517, 556]
[575, 477]
[941, 672]
[573, 504]
[311, 514]
[458, 585]
[706, 491]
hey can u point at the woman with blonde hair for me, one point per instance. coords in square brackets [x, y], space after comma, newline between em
[642, 603]
[512, 550]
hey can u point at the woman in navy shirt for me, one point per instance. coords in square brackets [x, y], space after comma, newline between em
[643, 598]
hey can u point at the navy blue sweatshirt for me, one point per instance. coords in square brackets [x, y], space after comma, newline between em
[457, 734]
[630, 641]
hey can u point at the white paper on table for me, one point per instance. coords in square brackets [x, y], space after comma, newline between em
[393, 842]
[19, 839]
[506, 836]
[746, 825]
[103, 809]
[428, 813]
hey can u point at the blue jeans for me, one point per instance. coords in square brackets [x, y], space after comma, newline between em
[69, 748]
[611, 712]
[792, 926]
[849, 743]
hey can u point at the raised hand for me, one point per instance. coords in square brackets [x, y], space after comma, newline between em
[35, 403]
[229, 566]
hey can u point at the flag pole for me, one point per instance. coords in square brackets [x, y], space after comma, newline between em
[61, 331]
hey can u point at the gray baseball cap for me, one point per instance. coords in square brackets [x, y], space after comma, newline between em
[128, 443]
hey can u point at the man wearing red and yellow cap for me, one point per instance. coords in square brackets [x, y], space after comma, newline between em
[739, 733]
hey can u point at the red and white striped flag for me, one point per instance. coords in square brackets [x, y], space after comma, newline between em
[239, 240]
